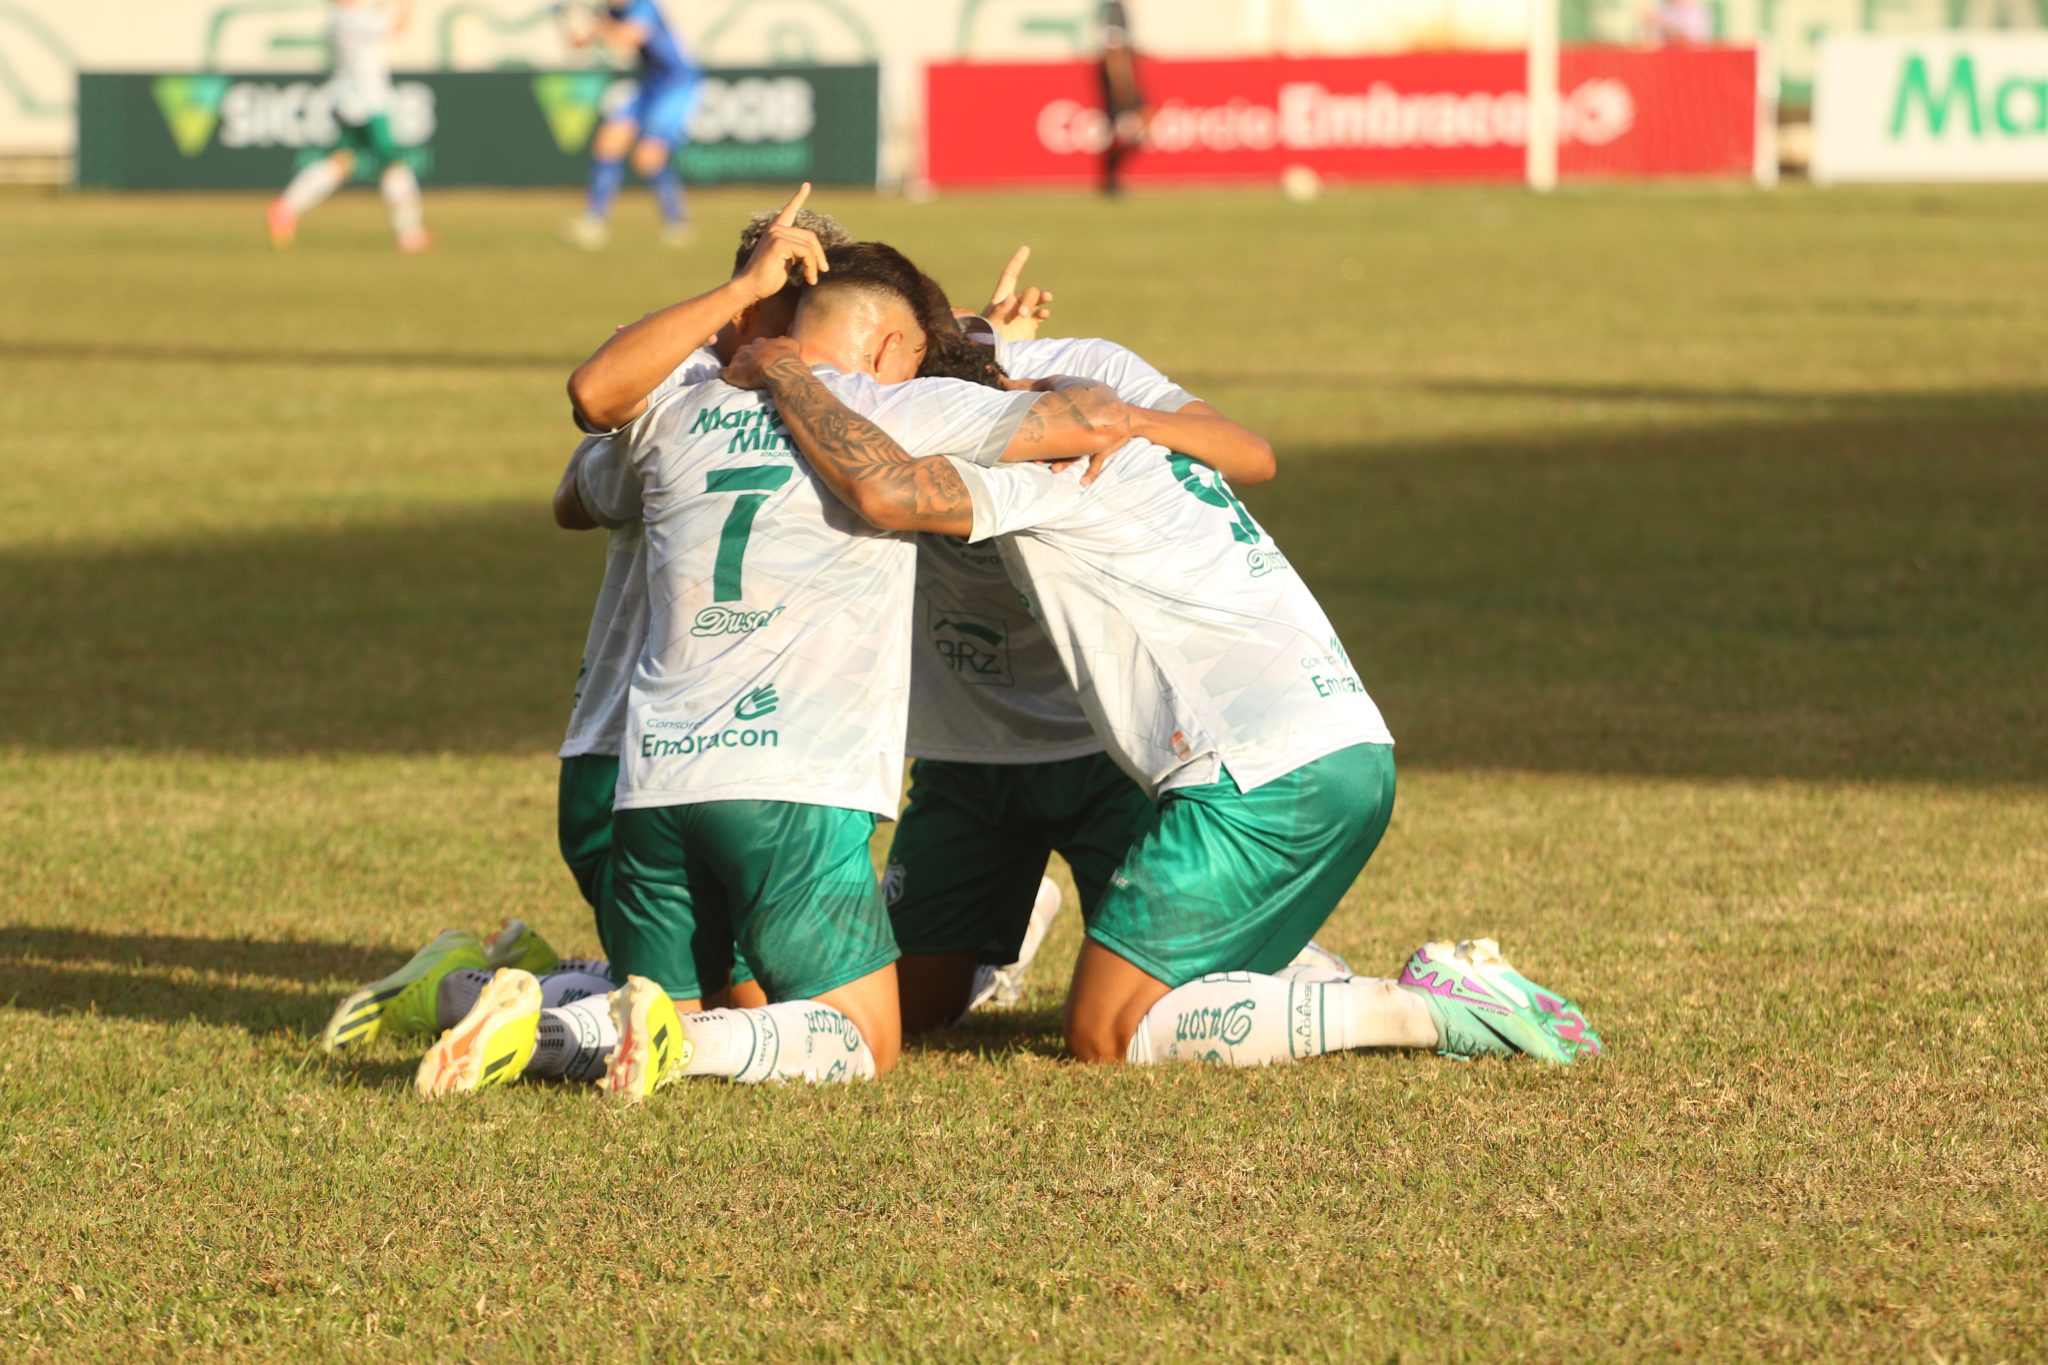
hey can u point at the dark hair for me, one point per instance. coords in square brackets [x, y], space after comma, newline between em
[949, 354]
[879, 267]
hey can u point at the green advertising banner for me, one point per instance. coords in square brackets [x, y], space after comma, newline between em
[222, 131]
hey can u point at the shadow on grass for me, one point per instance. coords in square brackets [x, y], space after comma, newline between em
[997, 1036]
[1811, 597]
[253, 984]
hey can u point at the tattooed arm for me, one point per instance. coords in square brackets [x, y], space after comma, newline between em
[1076, 417]
[868, 471]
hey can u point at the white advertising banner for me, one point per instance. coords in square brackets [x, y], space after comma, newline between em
[1947, 106]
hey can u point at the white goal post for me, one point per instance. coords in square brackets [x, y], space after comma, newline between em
[1541, 80]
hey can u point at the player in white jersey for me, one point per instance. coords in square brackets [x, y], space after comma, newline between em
[777, 255]
[1216, 682]
[358, 31]
[1007, 767]
[765, 721]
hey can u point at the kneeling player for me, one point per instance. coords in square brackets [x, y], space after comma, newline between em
[1216, 681]
[764, 731]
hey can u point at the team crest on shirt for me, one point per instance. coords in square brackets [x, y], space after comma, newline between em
[976, 648]
[892, 883]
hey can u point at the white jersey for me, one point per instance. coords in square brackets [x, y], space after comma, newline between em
[618, 625]
[1194, 646]
[986, 683]
[777, 660]
[361, 86]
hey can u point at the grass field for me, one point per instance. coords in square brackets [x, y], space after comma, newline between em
[1695, 545]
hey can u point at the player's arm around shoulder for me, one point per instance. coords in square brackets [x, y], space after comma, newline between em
[863, 465]
[1234, 450]
[1072, 419]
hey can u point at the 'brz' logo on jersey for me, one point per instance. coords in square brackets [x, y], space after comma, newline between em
[977, 648]
[757, 703]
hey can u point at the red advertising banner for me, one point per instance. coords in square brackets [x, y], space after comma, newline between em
[1420, 116]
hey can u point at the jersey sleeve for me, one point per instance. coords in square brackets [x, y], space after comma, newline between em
[607, 484]
[1017, 497]
[1133, 378]
[946, 417]
[700, 365]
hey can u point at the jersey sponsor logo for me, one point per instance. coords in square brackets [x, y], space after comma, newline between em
[1229, 1025]
[698, 742]
[1337, 686]
[731, 621]
[757, 703]
[977, 648]
[756, 428]
[1262, 562]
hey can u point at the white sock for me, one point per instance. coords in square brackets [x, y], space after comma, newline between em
[1316, 963]
[575, 1039]
[1044, 910]
[401, 197]
[565, 986]
[1247, 1019]
[312, 185]
[792, 1040]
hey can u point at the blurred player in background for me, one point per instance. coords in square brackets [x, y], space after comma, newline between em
[651, 128]
[358, 32]
[1121, 98]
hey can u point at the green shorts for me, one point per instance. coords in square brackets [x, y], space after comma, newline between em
[972, 844]
[583, 829]
[1230, 881]
[792, 885]
[369, 141]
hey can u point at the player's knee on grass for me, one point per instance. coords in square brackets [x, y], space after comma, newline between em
[870, 1003]
[1104, 1005]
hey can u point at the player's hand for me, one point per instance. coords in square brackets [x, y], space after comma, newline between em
[784, 246]
[1016, 316]
[749, 369]
[1098, 462]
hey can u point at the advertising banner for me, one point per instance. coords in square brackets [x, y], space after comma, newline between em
[1956, 106]
[217, 130]
[1422, 116]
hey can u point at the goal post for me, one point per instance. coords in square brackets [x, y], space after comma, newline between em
[1541, 79]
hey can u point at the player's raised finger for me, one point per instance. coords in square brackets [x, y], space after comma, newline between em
[1007, 284]
[789, 211]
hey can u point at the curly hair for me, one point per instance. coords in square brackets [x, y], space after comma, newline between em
[823, 226]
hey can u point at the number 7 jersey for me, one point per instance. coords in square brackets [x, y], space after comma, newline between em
[777, 661]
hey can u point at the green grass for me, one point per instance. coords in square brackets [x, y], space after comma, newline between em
[1691, 541]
